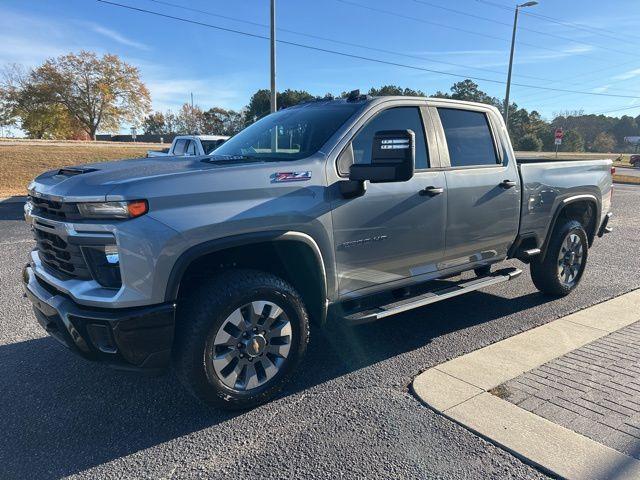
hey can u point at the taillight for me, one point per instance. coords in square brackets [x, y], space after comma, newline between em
[613, 172]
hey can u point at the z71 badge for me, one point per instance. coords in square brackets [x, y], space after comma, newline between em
[281, 177]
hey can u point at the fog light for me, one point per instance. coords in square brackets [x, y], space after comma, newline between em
[111, 254]
[104, 264]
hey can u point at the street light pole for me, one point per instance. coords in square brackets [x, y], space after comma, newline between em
[274, 104]
[513, 47]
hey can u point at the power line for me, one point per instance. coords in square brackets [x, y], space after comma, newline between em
[357, 45]
[617, 110]
[340, 42]
[350, 55]
[450, 27]
[586, 28]
[349, 2]
[598, 72]
[498, 22]
[351, 44]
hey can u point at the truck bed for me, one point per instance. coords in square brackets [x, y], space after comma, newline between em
[547, 182]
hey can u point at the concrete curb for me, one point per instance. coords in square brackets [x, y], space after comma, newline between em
[459, 389]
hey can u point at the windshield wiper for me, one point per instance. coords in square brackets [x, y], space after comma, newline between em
[239, 158]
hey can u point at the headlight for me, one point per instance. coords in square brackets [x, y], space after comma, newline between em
[130, 209]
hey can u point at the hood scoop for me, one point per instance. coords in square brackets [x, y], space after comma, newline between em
[73, 171]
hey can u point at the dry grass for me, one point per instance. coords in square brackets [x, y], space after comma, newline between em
[626, 179]
[21, 161]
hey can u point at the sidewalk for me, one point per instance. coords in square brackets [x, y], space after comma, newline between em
[564, 397]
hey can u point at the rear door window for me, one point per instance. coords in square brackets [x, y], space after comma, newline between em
[191, 148]
[469, 138]
[180, 147]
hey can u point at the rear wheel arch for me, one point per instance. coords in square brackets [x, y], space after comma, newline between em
[582, 208]
[293, 256]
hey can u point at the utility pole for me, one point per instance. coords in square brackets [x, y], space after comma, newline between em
[274, 103]
[513, 47]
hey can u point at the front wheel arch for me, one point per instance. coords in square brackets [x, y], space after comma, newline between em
[293, 256]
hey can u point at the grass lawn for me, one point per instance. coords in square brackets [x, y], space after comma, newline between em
[21, 161]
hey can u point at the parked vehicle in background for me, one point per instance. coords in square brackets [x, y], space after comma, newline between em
[350, 210]
[634, 160]
[190, 145]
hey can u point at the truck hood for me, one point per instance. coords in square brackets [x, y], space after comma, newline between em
[96, 180]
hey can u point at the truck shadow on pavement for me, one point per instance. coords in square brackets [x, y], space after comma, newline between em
[61, 415]
[11, 211]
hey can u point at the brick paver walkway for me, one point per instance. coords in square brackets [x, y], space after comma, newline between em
[594, 390]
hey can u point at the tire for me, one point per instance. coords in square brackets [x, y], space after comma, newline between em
[560, 272]
[482, 271]
[229, 318]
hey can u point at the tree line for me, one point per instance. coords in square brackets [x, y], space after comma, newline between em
[74, 96]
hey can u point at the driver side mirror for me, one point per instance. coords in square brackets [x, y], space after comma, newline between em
[392, 158]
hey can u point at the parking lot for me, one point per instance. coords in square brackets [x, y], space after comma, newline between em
[349, 412]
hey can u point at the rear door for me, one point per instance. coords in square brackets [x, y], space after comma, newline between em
[392, 233]
[483, 187]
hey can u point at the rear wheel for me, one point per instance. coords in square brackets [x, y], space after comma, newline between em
[240, 336]
[561, 270]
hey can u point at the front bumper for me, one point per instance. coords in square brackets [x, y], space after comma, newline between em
[138, 338]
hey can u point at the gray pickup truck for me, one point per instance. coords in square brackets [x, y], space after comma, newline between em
[346, 210]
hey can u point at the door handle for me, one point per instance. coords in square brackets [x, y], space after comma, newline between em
[431, 191]
[508, 184]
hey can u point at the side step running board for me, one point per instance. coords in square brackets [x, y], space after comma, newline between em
[532, 252]
[372, 314]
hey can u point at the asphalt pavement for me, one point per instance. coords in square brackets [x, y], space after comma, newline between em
[348, 413]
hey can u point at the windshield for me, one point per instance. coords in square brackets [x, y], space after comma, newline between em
[289, 134]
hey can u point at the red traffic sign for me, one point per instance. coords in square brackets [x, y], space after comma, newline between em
[559, 133]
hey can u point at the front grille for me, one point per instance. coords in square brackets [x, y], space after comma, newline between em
[64, 259]
[54, 210]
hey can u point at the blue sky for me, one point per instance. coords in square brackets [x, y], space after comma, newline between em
[223, 69]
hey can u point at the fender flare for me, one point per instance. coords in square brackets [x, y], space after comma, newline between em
[190, 255]
[562, 205]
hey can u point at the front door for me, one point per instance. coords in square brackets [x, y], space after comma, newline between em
[395, 231]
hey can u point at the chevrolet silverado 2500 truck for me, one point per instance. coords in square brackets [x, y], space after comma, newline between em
[351, 209]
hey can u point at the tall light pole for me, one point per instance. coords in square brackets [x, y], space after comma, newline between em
[274, 104]
[513, 46]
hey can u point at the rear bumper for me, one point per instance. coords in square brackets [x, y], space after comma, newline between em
[137, 338]
[604, 227]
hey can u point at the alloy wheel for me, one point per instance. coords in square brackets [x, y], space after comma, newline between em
[251, 345]
[570, 259]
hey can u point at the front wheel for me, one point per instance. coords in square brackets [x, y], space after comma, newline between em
[240, 336]
[561, 270]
